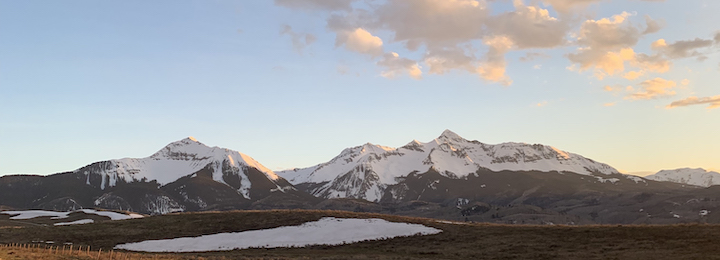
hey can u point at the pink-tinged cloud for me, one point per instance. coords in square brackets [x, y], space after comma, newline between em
[712, 102]
[654, 88]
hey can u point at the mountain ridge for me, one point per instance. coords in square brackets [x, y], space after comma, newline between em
[690, 176]
[368, 169]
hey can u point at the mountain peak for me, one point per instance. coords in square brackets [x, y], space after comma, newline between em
[369, 147]
[447, 134]
[183, 148]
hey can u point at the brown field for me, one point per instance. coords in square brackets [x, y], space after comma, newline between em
[457, 241]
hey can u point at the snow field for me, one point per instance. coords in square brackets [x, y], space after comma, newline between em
[326, 231]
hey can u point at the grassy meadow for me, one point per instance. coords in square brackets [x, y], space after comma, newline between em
[457, 241]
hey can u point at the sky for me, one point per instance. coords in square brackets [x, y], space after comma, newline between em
[631, 83]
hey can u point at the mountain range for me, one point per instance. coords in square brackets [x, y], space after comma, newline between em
[448, 177]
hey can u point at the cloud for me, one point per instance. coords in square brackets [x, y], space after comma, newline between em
[530, 56]
[493, 67]
[713, 102]
[529, 27]
[617, 88]
[433, 23]
[607, 48]
[653, 26]
[448, 28]
[542, 104]
[606, 45]
[466, 35]
[681, 49]
[565, 6]
[655, 63]
[631, 75]
[604, 63]
[609, 33]
[609, 104]
[299, 40]
[395, 65]
[329, 5]
[654, 88]
[443, 60]
[360, 41]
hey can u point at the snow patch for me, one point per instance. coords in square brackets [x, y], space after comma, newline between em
[29, 214]
[610, 180]
[76, 222]
[326, 231]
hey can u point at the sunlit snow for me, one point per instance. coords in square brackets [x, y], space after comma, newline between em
[326, 231]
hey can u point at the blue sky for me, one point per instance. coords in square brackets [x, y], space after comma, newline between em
[292, 83]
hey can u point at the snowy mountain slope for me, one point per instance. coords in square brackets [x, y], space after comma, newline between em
[176, 160]
[698, 177]
[365, 171]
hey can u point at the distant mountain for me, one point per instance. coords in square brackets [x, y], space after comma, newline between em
[367, 171]
[184, 175]
[698, 177]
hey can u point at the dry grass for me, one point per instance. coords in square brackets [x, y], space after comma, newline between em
[464, 241]
[48, 252]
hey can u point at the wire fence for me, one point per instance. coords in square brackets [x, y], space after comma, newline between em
[42, 250]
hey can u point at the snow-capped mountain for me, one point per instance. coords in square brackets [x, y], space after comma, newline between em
[697, 177]
[366, 171]
[183, 176]
[179, 159]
